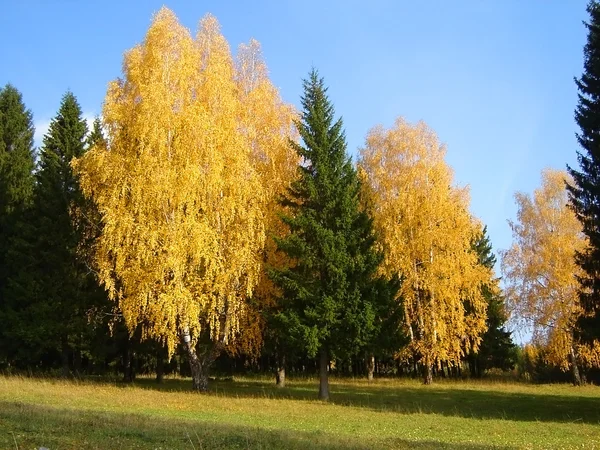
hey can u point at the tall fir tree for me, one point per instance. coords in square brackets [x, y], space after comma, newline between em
[96, 136]
[496, 349]
[58, 197]
[584, 194]
[16, 193]
[16, 152]
[332, 298]
[54, 320]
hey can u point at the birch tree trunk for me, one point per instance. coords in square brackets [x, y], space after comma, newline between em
[427, 372]
[370, 366]
[280, 371]
[200, 363]
[575, 367]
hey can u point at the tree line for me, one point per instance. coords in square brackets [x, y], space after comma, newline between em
[204, 221]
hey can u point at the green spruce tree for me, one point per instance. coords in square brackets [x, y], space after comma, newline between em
[584, 195]
[332, 299]
[496, 349]
[53, 321]
[58, 200]
[96, 136]
[16, 152]
[16, 194]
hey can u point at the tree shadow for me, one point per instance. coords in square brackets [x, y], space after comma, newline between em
[33, 426]
[445, 400]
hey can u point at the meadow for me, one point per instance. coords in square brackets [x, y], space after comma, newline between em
[247, 413]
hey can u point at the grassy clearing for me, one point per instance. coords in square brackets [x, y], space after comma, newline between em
[252, 413]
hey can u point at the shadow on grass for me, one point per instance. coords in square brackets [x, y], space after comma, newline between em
[448, 401]
[24, 426]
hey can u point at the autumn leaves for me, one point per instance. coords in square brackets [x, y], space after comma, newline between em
[426, 232]
[185, 187]
[189, 190]
[540, 272]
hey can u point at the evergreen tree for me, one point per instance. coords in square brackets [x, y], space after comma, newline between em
[332, 299]
[57, 290]
[58, 200]
[16, 192]
[96, 136]
[496, 349]
[584, 194]
[16, 152]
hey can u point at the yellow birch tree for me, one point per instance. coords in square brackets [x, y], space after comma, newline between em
[182, 204]
[426, 231]
[540, 272]
[268, 121]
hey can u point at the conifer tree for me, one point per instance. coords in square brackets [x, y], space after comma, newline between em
[96, 136]
[332, 298]
[584, 193]
[16, 151]
[16, 193]
[65, 285]
[496, 348]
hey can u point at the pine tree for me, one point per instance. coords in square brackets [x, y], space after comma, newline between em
[65, 287]
[496, 349]
[16, 193]
[16, 151]
[96, 136]
[331, 294]
[584, 193]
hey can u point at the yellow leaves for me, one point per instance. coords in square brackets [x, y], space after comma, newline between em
[540, 270]
[425, 230]
[195, 158]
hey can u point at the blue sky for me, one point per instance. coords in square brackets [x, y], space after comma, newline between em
[494, 78]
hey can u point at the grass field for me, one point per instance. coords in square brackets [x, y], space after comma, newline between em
[248, 413]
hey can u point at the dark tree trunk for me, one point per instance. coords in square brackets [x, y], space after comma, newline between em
[64, 357]
[160, 366]
[77, 357]
[472, 365]
[370, 366]
[128, 362]
[280, 371]
[323, 375]
[132, 365]
[77, 362]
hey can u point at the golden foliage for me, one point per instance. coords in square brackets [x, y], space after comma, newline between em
[182, 200]
[426, 231]
[540, 270]
[269, 124]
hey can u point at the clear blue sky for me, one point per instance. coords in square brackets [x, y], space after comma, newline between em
[494, 78]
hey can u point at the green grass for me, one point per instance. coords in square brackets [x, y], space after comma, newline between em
[252, 413]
